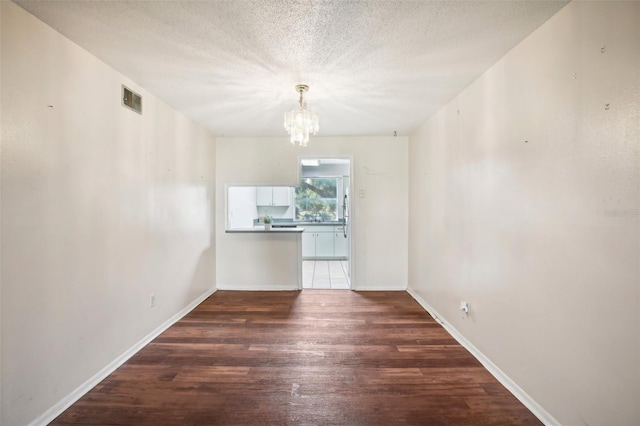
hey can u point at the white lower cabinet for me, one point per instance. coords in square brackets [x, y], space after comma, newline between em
[308, 244]
[340, 246]
[322, 242]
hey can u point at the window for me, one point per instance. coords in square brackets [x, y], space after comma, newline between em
[317, 199]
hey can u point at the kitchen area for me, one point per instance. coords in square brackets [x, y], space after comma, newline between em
[318, 208]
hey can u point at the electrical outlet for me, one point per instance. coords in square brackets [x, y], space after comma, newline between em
[362, 193]
[152, 300]
[464, 307]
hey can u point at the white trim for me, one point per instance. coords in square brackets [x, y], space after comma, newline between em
[351, 252]
[384, 288]
[290, 287]
[300, 283]
[57, 409]
[505, 380]
[245, 287]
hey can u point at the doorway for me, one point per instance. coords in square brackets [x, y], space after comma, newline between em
[323, 209]
[325, 274]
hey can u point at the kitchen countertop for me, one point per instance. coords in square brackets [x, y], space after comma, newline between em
[327, 223]
[296, 224]
[296, 230]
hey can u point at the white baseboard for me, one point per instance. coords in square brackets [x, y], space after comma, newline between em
[242, 287]
[511, 386]
[290, 288]
[380, 289]
[57, 409]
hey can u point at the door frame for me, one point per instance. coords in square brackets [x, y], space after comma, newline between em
[351, 251]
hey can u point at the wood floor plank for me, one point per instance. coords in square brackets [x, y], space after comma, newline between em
[315, 357]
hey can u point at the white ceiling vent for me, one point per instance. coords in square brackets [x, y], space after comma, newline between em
[131, 100]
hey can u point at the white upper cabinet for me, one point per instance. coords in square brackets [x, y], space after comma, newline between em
[281, 196]
[273, 196]
[264, 196]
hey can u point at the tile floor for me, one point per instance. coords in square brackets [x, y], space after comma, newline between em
[325, 274]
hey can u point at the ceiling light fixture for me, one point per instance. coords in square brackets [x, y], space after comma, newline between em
[301, 122]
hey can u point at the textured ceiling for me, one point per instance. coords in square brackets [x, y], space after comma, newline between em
[373, 67]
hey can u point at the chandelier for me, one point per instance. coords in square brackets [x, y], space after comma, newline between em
[301, 122]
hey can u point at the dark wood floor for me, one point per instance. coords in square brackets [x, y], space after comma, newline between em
[315, 357]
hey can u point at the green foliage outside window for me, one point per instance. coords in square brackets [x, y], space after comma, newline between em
[316, 199]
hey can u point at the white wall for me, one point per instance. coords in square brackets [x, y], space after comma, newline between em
[524, 201]
[101, 207]
[379, 220]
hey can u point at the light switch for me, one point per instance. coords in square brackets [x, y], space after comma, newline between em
[362, 193]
